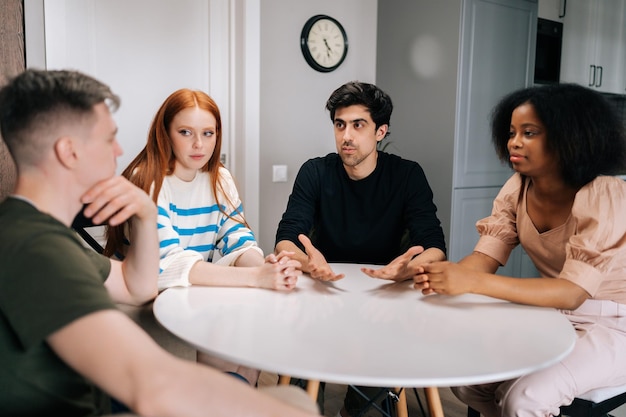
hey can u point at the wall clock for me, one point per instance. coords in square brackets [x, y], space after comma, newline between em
[324, 43]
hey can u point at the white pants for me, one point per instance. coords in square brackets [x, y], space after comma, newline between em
[598, 360]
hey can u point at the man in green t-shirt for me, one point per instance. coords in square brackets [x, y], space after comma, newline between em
[62, 340]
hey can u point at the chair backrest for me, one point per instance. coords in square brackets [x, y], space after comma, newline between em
[79, 224]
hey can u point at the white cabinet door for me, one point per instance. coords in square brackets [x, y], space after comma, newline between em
[578, 41]
[497, 57]
[594, 40]
[610, 46]
[471, 205]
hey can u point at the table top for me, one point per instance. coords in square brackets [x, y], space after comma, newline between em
[366, 331]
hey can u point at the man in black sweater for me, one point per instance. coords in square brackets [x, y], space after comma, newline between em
[361, 205]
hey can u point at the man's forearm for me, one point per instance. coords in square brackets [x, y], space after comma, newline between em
[429, 255]
[141, 265]
[299, 255]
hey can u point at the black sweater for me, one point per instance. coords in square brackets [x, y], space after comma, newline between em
[362, 221]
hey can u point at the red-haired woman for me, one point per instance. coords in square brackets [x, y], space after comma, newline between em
[204, 238]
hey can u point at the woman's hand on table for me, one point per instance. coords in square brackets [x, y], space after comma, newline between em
[443, 278]
[399, 269]
[280, 272]
[318, 267]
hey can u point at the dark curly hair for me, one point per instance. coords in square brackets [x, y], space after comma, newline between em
[583, 129]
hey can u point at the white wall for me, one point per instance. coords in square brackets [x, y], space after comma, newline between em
[143, 52]
[294, 123]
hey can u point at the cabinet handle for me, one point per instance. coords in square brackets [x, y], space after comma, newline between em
[564, 9]
[599, 77]
[592, 75]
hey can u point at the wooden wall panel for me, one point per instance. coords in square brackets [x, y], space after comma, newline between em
[12, 62]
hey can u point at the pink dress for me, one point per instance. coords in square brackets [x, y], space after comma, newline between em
[589, 249]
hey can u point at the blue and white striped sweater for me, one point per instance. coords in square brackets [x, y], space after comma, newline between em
[191, 227]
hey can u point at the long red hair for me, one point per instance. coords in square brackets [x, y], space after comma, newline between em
[157, 159]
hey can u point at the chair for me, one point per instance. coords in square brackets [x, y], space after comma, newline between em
[392, 402]
[595, 403]
[394, 399]
[395, 402]
[80, 224]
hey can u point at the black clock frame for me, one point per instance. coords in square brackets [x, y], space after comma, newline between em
[304, 35]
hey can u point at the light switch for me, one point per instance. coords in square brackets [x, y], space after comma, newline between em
[279, 173]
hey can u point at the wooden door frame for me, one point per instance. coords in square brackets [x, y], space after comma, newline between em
[12, 63]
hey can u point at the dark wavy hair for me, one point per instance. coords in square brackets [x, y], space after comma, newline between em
[377, 102]
[583, 129]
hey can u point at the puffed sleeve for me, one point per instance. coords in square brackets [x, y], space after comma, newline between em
[498, 232]
[597, 248]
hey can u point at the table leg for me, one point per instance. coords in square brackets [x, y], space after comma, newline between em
[401, 407]
[312, 387]
[434, 402]
[284, 379]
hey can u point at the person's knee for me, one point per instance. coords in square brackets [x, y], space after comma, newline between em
[527, 401]
[537, 394]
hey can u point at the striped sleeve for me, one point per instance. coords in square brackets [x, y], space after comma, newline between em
[233, 237]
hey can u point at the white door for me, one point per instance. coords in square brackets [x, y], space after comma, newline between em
[142, 49]
[145, 50]
[497, 57]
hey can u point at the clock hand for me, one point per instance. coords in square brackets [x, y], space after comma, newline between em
[328, 50]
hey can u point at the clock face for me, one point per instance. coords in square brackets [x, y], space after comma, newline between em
[324, 43]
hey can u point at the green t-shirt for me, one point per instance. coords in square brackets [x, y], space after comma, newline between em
[47, 280]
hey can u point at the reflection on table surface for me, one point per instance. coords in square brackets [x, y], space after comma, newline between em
[365, 331]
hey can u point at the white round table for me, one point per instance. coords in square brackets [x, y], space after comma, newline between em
[365, 331]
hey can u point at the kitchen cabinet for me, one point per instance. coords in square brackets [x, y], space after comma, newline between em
[594, 44]
[452, 62]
